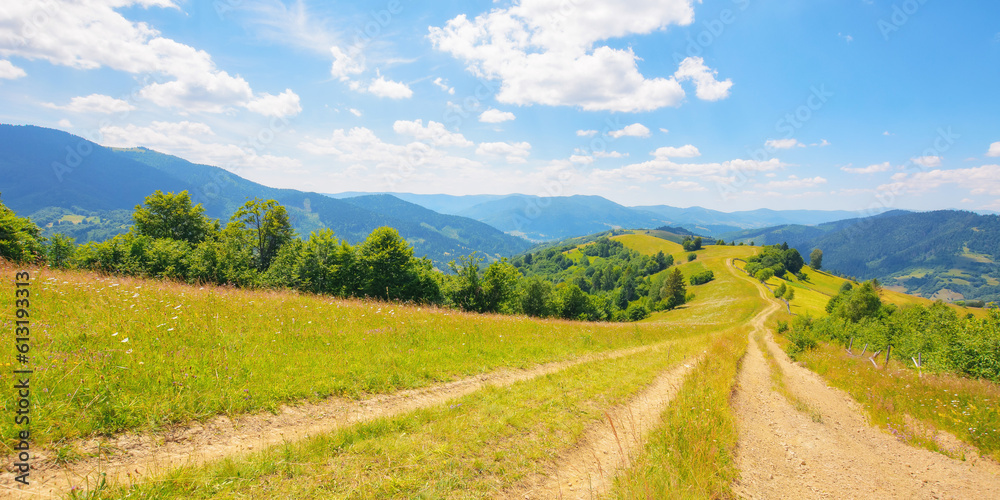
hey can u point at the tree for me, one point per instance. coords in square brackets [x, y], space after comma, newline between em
[673, 292]
[500, 287]
[536, 297]
[780, 291]
[789, 293]
[764, 274]
[816, 259]
[59, 250]
[172, 216]
[20, 238]
[792, 260]
[384, 262]
[266, 227]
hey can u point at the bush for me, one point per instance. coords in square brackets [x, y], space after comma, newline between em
[702, 277]
[692, 256]
[636, 311]
[764, 274]
[780, 291]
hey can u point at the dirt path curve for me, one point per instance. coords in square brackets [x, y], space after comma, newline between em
[784, 453]
[588, 469]
[140, 455]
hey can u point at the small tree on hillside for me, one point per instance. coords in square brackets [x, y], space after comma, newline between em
[172, 216]
[20, 238]
[673, 292]
[816, 259]
[266, 226]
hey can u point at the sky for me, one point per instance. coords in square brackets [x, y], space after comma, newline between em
[728, 104]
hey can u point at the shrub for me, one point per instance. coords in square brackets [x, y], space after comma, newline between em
[692, 256]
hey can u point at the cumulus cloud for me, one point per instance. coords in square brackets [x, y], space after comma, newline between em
[390, 89]
[434, 133]
[724, 172]
[495, 116]
[633, 130]
[586, 133]
[928, 161]
[783, 144]
[10, 72]
[689, 186]
[870, 169]
[686, 151]
[345, 64]
[193, 141]
[95, 103]
[355, 112]
[795, 183]
[707, 87]
[91, 35]
[442, 84]
[978, 180]
[283, 104]
[994, 150]
[545, 54]
[516, 152]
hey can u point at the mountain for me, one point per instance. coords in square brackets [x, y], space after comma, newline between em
[552, 218]
[60, 179]
[947, 253]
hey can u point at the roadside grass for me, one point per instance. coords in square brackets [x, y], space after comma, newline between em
[911, 405]
[778, 381]
[472, 447]
[111, 354]
[691, 454]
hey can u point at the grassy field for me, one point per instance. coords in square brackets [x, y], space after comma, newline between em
[113, 353]
[473, 447]
[649, 245]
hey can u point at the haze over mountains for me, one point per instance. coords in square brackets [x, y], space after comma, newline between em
[58, 179]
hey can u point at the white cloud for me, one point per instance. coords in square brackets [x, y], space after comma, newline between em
[870, 169]
[93, 34]
[10, 72]
[581, 159]
[847, 38]
[794, 183]
[192, 141]
[434, 133]
[95, 103]
[633, 130]
[345, 64]
[783, 143]
[886, 133]
[725, 172]
[689, 186]
[64, 123]
[609, 154]
[283, 104]
[495, 116]
[586, 133]
[516, 152]
[686, 151]
[545, 54]
[994, 149]
[928, 161]
[706, 86]
[355, 112]
[443, 85]
[388, 88]
[978, 180]
[665, 131]
[821, 144]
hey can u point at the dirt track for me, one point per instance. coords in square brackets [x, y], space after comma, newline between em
[785, 453]
[136, 456]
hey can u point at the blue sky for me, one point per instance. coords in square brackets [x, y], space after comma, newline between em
[730, 104]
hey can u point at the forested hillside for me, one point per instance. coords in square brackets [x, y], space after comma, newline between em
[949, 254]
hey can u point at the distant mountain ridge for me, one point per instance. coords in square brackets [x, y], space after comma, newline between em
[55, 172]
[554, 218]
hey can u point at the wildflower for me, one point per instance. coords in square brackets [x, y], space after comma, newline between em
[125, 340]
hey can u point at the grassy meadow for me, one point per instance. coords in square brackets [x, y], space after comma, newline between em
[113, 354]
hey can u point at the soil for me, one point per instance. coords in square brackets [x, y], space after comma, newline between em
[832, 451]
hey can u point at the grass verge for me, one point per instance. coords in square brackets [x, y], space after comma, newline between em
[778, 380]
[691, 454]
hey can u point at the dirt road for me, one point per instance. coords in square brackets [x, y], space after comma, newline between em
[832, 451]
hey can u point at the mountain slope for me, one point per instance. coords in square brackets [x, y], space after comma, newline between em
[946, 253]
[103, 183]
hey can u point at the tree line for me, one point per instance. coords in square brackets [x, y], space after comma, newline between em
[172, 238]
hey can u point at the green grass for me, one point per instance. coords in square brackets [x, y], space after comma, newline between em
[113, 354]
[691, 454]
[726, 299]
[911, 405]
[649, 245]
[472, 447]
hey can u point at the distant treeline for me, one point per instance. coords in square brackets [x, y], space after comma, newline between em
[172, 238]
